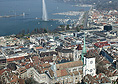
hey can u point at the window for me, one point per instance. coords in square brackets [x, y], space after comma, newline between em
[43, 76]
[91, 62]
[69, 70]
[91, 70]
[74, 69]
[92, 73]
[79, 68]
[75, 55]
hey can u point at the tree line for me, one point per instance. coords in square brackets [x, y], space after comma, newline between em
[34, 31]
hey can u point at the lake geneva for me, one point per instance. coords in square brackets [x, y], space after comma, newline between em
[32, 10]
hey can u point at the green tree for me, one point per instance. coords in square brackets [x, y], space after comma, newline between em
[77, 28]
[62, 26]
[45, 30]
[67, 27]
[23, 32]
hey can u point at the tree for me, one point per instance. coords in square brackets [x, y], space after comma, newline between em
[78, 83]
[67, 27]
[77, 28]
[23, 32]
[41, 30]
[35, 30]
[45, 31]
[62, 26]
[12, 66]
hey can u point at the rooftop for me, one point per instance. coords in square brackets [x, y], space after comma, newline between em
[69, 65]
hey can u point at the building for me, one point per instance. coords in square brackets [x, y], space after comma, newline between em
[67, 73]
[88, 60]
[89, 64]
[107, 27]
[83, 51]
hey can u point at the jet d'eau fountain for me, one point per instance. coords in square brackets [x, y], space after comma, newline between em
[44, 16]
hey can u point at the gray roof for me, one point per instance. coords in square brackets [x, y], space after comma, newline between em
[66, 51]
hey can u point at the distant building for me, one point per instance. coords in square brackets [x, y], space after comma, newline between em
[107, 27]
[100, 45]
[98, 79]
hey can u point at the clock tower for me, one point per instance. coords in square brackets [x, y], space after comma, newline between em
[89, 64]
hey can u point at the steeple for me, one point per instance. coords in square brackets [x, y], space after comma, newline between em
[83, 50]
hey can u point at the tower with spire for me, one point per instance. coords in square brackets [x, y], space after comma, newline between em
[83, 50]
[88, 60]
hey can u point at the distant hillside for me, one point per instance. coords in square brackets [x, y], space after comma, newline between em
[100, 4]
[108, 5]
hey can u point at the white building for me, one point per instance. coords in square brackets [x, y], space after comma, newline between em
[89, 65]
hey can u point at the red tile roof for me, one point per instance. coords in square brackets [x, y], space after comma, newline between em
[45, 65]
[10, 59]
[1, 71]
[101, 44]
[22, 64]
[21, 81]
[19, 58]
[61, 73]
[15, 59]
[69, 65]
[15, 79]
[39, 47]
[29, 65]
[79, 47]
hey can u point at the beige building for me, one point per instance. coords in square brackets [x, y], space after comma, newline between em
[68, 73]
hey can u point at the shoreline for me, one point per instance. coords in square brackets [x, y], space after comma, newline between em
[8, 16]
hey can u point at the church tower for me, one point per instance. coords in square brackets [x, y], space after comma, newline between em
[88, 59]
[89, 64]
[83, 50]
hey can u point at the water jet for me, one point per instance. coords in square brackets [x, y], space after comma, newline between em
[44, 16]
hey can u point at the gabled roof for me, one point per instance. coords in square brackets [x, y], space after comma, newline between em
[43, 54]
[66, 51]
[21, 81]
[14, 79]
[61, 73]
[1, 71]
[91, 54]
[11, 59]
[74, 73]
[101, 44]
[69, 65]
[29, 65]
[46, 65]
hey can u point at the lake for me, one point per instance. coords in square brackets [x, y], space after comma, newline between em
[32, 9]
